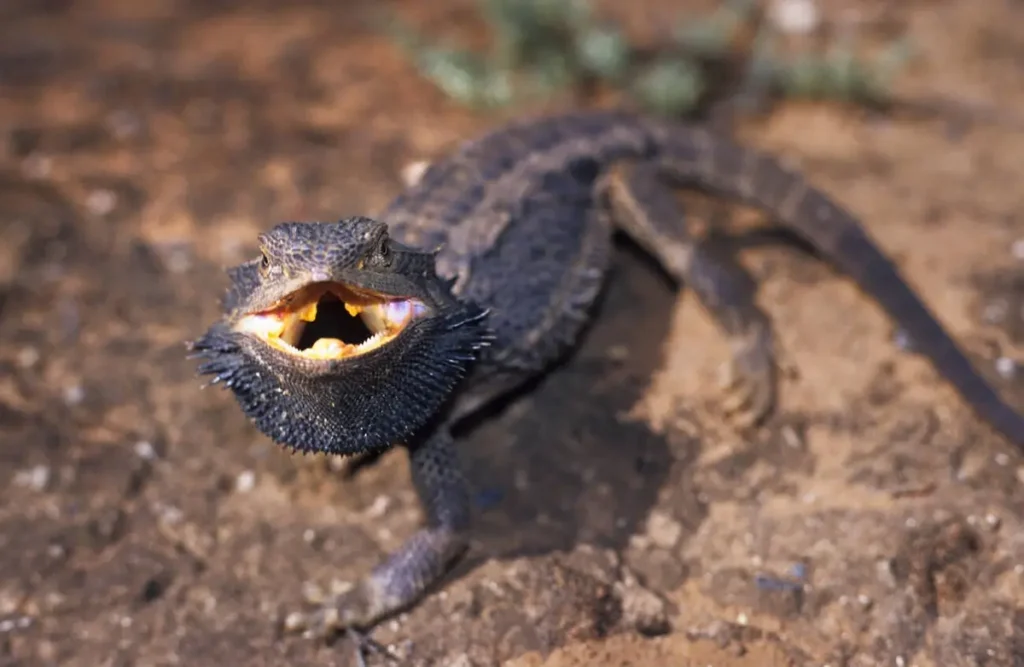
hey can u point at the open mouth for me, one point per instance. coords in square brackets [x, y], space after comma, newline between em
[330, 321]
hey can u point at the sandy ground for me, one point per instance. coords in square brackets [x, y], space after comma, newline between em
[143, 521]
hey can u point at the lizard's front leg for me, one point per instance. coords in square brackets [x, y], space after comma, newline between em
[644, 206]
[406, 574]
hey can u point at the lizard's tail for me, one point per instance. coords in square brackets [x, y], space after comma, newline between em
[762, 181]
[861, 258]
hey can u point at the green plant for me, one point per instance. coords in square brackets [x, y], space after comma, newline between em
[543, 46]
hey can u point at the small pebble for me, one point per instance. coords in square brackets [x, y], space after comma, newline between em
[995, 312]
[379, 507]
[664, 530]
[74, 395]
[791, 437]
[171, 515]
[1018, 249]
[245, 481]
[35, 478]
[295, 621]
[413, 172]
[101, 202]
[28, 357]
[795, 17]
[340, 586]
[144, 450]
[902, 340]
[12, 624]
[1006, 367]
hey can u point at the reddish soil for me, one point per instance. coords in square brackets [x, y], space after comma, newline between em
[143, 521]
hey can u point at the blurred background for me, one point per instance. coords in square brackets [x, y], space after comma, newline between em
[873, 520]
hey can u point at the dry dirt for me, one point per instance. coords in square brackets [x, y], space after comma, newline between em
[143, 521]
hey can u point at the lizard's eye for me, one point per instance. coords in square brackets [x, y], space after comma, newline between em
[384, 249]
[265, 261]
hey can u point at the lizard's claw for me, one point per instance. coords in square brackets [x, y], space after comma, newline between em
[342, 611]
[348, 611]
[364, 644]
[751, 380]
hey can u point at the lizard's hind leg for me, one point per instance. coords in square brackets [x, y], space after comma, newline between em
[643, 205]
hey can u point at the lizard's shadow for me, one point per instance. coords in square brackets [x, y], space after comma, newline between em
[563, 463]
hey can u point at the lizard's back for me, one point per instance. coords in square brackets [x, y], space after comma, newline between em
[515, 215]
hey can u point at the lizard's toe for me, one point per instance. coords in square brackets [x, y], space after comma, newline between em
[340, 612]
[365, 644]
[349, 612]
[751, 382]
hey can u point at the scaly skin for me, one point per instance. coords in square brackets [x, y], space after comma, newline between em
[514, 232]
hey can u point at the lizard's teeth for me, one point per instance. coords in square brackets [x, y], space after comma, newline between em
[293, 328]
[308, 312]
[372, 342]
[374, 318]
[391, 316]
[263, 325]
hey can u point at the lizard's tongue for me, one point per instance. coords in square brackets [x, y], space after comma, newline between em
[329, 348]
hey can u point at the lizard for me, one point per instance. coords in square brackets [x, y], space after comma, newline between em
[480, 277]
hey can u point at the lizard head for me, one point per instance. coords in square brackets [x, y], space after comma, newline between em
[339, 339]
